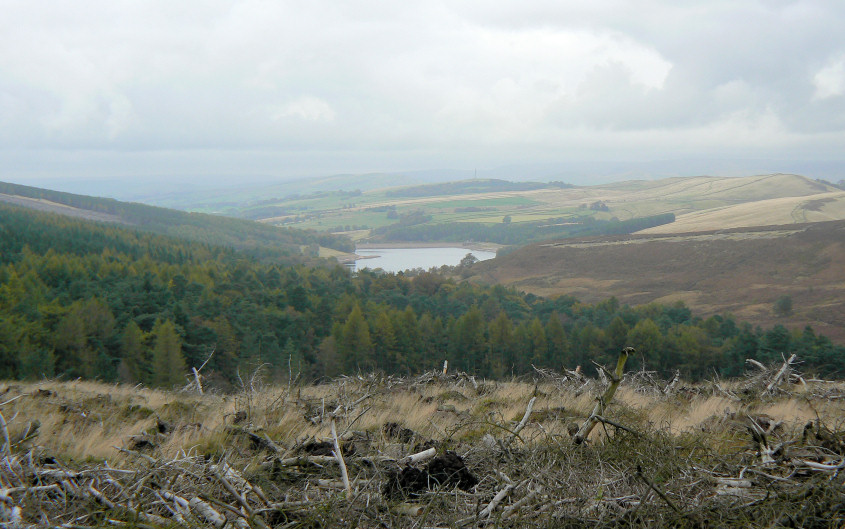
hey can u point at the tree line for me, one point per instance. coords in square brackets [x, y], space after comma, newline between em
[512, 233]
[82, 299]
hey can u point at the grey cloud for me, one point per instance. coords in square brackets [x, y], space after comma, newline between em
[419, 84]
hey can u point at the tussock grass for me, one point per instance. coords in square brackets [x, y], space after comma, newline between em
[660, 464]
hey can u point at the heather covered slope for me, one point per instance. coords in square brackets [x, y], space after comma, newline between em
[742, 271]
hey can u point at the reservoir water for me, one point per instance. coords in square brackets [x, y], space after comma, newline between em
[399, 259]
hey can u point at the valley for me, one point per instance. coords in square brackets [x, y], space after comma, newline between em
[698, 203]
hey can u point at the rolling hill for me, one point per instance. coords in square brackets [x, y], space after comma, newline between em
[369, 212]
[260, 239]
[808, 208]
[743, 271]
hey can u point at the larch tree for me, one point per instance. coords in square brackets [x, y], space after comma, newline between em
[132, 362]
[169, 367]
[355, 345]
[557, 342]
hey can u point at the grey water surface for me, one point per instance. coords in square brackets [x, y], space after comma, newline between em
[399, 259]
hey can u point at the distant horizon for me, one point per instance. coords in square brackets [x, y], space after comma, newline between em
[575, 173]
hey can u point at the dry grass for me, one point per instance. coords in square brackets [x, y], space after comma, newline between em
[684, 442]
[88, 419]
[774, 211]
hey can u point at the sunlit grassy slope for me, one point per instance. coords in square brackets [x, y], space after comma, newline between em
[774, 211]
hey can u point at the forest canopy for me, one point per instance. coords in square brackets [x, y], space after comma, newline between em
[102, 301]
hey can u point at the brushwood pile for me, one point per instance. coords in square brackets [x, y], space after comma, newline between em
[437, 450]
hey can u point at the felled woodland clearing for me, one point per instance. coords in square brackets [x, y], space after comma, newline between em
[438, 450]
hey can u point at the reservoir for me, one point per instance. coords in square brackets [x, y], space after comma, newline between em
[399, 259]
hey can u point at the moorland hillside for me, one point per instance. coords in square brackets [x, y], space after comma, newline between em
[742, 271]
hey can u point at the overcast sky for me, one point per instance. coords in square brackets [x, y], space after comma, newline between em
[118, 88]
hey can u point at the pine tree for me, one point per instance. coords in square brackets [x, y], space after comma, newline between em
[539, 344]
[384, 342]
[617, 335]
[468, 342]
[647, 339]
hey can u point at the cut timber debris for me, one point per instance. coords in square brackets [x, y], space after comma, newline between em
[780, 374]
[477, 470]
[773, 379]
[615, 379]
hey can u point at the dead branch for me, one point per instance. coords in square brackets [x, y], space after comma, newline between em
[339, 455]
[755, 363]
[509, 511]
[760, 438]
[615, 424]
[780, 374]
[670, 387]
[419, 457]
[207, 513]
[657, 490]
[616, 378]
[497, 499]
[7, 446]
[522, 423]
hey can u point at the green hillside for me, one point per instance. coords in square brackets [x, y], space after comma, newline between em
[259, 239]
[104, 301]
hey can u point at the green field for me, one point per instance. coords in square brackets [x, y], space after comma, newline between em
[506, 202]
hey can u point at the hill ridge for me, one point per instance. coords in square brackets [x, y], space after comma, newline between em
[270, 241]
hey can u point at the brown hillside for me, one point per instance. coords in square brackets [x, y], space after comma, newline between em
[741, 271]
[41, 204]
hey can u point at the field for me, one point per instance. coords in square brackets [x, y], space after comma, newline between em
[434, 450]
[775, 211]
[698, 203]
